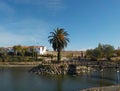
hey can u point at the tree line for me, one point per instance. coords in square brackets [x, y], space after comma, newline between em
[102, 52]
[18, 53]
[18, 50]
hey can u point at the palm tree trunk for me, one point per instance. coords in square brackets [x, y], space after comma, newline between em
[36, 55]
[59, 56]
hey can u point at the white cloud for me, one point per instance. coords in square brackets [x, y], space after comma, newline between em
[26, 32]
[28, 27]
[8, 38]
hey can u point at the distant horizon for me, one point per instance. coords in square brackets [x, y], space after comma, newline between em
[89, 22]
[62, 50]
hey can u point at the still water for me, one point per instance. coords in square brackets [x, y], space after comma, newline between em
[19, 79]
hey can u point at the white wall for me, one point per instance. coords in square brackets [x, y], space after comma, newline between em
[41, 50]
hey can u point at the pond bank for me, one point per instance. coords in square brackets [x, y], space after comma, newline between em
[106, 88]
[19, 64]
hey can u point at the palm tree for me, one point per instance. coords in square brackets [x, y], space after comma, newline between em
[59, 40]
[23, 51]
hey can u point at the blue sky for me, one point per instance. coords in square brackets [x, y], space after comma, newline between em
[89, 22]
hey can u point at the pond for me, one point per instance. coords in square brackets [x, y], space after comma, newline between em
[19, 79]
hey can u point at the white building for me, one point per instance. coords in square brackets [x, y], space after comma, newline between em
[9, 49]
[40, 49]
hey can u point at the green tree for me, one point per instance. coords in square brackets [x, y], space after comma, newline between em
[59, 40]
[89, 53]
[108, 51]
[102, 51]
[4, 55]
[32, 51]
[17, 49]
[24, 50]
[93, 54]
[117, 52]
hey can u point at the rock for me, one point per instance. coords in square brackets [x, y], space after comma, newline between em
[59, 69]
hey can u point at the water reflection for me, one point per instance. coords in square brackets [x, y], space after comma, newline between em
[19, 79]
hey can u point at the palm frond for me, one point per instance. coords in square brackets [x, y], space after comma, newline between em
[58, 39]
